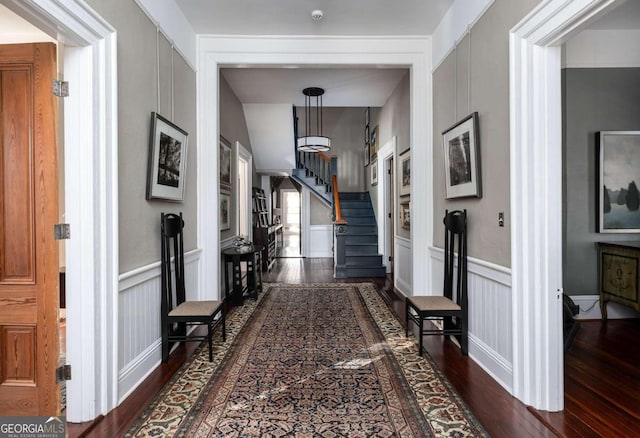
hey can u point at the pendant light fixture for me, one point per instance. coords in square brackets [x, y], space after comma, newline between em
[313, 140]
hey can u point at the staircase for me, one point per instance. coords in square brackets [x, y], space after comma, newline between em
[356, 250]
[315, 177]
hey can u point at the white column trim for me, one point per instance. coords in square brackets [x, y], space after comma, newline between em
[245, 155]
[216, 51]
[91, 198]
[536, 196]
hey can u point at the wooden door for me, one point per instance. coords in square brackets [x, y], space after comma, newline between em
[29, 300]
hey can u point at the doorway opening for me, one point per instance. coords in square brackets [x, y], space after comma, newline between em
[290, 209]
[389, 202]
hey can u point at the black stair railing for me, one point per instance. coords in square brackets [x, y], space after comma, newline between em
[318, 166]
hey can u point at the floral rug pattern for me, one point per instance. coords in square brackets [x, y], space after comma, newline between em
[310, 360]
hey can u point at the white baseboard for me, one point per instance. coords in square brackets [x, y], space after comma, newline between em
[490, 310]
[139, 320]
[590, 308]
[403, 266]
[138, 369]
[495, 365]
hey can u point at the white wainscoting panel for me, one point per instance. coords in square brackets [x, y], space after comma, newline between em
[590, 308]
[490, 323]
[403, 265]
[139, 320]
[321, 240]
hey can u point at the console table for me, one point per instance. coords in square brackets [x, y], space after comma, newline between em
[234, 256]
[618, 274]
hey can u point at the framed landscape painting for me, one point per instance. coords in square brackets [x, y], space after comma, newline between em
[618, 179]
[462, 159]
[167, 163]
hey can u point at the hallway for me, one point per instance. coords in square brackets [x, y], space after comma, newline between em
[500, 413]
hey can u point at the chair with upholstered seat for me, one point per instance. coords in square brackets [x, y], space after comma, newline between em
[450, 309]
[176, 312]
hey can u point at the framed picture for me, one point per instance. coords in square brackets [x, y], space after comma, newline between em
[405, 215]
[367, 116]
[374, 144]
[225, 165]
[167, 164]
[367, 151]
[367, 135]
[462, 159]
[618, 193]
[374, 172]
[405, 173]
[225, 208]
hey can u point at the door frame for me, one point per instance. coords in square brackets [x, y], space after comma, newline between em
[385, 204]
[91, 198]
[536, 195]
[284, 210]
[243, 154]
[412, 52]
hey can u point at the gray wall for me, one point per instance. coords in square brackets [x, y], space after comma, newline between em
[489, 96]
[233, 127]
[345, 127]
[594, 99]
[393, 119]
[139, 237]
[320, 213]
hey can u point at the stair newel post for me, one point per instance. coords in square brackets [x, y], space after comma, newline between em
[339, 252]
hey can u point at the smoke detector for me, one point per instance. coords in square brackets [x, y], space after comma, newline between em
[317, 15]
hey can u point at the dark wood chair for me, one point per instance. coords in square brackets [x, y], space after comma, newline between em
[450, 308]
[177, 312]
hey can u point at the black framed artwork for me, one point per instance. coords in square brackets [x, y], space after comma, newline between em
[462, 159]
[166, 177]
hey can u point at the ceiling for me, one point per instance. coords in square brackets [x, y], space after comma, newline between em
[624, 17]
[16, 29]
[343, 87]
[293, 17]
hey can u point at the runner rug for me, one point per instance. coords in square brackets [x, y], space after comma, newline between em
[325, 360]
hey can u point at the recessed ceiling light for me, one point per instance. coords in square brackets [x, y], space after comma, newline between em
[317, 15]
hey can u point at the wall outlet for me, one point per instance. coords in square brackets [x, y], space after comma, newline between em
[501, 219]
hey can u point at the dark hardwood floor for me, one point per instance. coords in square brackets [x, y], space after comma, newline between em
[602, 376]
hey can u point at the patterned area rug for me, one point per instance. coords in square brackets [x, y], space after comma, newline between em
[310, 360]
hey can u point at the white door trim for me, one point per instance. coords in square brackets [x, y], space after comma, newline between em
[216, 51]
[243, 154]
[385, 204]
[536, 196]
[91, 198]
[305, 222]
